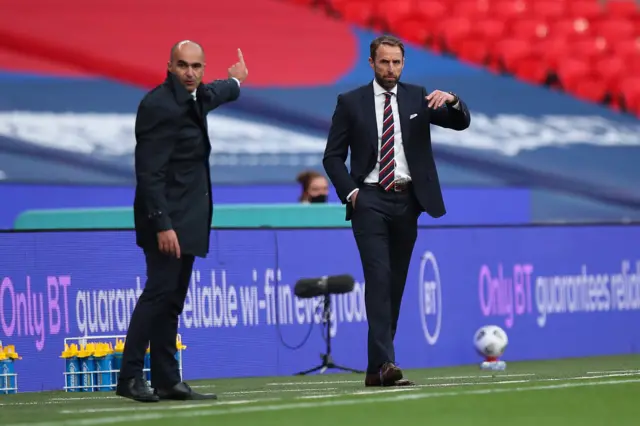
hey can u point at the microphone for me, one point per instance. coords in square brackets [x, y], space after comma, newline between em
[307, 288]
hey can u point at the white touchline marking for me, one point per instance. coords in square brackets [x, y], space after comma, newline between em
[614, 371]
[323, 396]
[337, 382]
[364, 392]
[320, 382]
[153, 407]
[591, 375]
[316, 404]
[85, 398]
[272, 391]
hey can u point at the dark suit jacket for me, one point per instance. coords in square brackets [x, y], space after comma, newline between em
[173, 189]
[354, 126]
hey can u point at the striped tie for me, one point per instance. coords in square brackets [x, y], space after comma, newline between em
[387, 160]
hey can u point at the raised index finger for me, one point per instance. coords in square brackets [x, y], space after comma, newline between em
[240, 57]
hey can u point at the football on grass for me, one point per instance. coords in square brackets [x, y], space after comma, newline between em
[490, 341]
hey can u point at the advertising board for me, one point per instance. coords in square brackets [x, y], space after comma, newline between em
[557, 291]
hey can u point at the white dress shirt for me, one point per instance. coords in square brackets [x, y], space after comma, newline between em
[402, 166]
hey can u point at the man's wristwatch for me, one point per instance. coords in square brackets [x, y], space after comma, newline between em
[455, 99]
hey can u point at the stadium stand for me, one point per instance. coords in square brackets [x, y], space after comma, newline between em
[68, 99]
[588, 48]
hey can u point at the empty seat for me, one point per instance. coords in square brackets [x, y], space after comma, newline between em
[611, 70]
[572, 72]
[509, 9]
[550, 9]
[622, 9]
[631, 94]
[589, 9]
[615, 30]
[389, 12]
[589, 49]
[531, 29]
[490, 30]
[592, 47]
[416, 29]
[431, 9]
[591, 89]
[570, 28]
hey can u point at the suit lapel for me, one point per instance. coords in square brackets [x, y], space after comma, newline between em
[370, 115]
[403, 112]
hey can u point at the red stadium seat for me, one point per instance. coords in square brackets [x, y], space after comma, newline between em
[387, 13]
[572, 72]
[473, 51]
[588, 9]
[615, 30]
[589, 45]
[507, 54]
[570, 28]
[623, 9]
[471, 8]
[453, 31]
[591, 89]
[414, 29]
[589, 49]
[358, 12]
[631, 94]
[531, 69]
[431, 9]
[550, 9]
[611, 70]
[508, 10]
[490, 30]
[530, 29]
[627, 48]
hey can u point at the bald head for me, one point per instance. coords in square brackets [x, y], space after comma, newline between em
[187, 63]
[185, 44]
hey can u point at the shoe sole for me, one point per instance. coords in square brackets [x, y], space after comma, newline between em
[147, 399]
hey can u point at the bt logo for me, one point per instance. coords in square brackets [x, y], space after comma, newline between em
[430, 297]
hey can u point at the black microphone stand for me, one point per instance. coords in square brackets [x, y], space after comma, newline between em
[327, 359]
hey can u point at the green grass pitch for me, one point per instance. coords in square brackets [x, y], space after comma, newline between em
[580, 392]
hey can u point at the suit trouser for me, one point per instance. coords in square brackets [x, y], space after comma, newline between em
[385, 227]
[155, 319]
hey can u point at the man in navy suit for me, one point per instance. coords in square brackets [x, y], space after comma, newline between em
[393, 178]
[172, 214]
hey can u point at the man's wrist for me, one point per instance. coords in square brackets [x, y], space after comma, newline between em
[455, 102]
[351, 194]
[237, 81]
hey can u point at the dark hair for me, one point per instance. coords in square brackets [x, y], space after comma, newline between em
[305, 178]
[387, 40]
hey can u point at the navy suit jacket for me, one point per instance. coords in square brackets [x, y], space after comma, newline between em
[354, 127]
[173, 184]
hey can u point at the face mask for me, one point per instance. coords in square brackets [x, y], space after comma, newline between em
[322, 198]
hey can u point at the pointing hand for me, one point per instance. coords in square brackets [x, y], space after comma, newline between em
[239, 69]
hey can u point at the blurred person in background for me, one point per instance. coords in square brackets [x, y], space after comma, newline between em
[315, 187]
[172, 212]
[393, 178]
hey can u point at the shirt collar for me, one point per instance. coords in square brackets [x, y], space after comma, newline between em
[379, 90]
[193, 95]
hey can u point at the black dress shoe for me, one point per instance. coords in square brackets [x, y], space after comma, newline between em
[182, 392]
[136, 389]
